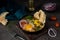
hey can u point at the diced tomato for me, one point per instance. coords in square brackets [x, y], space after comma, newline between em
[22, 23]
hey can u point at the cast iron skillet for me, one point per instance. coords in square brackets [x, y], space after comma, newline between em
[28, 31]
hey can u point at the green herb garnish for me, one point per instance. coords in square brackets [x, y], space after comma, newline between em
[29, 17]
[37, 28]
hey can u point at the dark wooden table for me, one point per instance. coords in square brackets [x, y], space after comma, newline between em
[5, 34]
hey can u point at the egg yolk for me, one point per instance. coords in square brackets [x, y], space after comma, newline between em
[27, 27]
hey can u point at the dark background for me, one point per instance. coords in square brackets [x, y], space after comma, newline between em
[14, 3]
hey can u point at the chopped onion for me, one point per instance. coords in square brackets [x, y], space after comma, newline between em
[22, 23]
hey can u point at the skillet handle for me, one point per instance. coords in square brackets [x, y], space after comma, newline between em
[19, 37]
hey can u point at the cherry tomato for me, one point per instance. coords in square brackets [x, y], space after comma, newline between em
[57, 24]
[53, 18]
